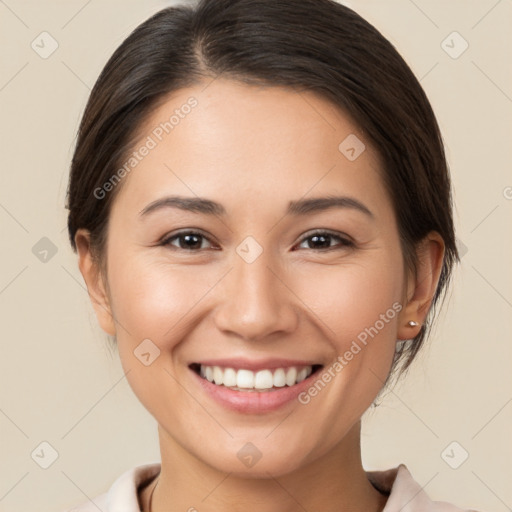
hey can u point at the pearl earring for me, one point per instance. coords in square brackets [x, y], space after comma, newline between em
[412, 323]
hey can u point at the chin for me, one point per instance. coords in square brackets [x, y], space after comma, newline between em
[256, 460]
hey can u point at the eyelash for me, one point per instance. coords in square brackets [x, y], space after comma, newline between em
[345, 241]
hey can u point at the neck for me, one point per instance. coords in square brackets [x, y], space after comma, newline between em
[336, 481]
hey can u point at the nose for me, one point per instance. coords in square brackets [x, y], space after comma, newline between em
[255, 301]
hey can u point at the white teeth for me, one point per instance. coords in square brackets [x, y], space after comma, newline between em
[291, 376]
[302, 374]
[245, 379]
[279, 378]
[263, 380]
[260, 380]
[229, 377]
[218, 375]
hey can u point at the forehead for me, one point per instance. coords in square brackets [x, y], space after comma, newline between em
[239, 143]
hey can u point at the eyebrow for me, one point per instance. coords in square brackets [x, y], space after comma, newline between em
[300, 207]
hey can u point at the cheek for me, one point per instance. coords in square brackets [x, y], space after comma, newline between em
[349, 298]
[154, 299]
[359, 306]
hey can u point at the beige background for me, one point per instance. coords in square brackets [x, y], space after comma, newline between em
[59, 381]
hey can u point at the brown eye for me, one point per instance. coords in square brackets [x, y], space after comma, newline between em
[322, 240]
[186, 241]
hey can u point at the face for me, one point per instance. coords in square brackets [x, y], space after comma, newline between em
[291, 305]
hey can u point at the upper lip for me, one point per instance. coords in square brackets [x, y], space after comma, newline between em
[255, 365]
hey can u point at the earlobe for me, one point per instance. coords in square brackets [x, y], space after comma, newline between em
[94, 282]
[422, 287]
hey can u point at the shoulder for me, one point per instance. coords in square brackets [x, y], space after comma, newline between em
[122, 495]
[405, 494]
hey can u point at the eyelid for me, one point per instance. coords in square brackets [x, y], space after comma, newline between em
[325, 231]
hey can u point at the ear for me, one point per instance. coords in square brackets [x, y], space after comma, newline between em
[422, 287]
[94, 282]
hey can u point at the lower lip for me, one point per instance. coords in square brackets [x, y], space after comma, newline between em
[254, 401]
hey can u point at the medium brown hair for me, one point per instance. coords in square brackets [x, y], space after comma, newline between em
[311, 45]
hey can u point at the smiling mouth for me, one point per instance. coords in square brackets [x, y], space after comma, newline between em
[259, 381]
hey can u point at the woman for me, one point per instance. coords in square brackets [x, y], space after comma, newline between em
[261, 207]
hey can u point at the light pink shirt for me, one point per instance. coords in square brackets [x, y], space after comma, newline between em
[405, 494]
